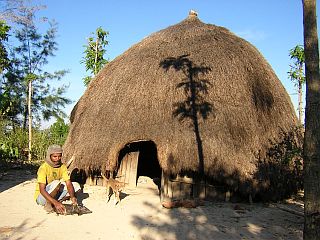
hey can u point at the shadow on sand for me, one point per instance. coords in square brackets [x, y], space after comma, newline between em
[219, 220]
[13, 177]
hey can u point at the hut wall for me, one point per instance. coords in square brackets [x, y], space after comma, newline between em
[183, 187]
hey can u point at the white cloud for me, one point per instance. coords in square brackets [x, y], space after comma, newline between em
[252, 35]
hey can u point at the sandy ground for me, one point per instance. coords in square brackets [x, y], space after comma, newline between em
[139, 216]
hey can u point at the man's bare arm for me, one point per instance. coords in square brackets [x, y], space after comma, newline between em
[71, 192]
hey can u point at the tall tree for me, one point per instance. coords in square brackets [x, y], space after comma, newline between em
[12, 10]
[312, 123]
[296, 74]
[4, 65]
[4, 60]
[94, 54]
[30, 56]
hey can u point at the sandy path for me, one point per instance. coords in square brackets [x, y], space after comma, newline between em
[138, 216]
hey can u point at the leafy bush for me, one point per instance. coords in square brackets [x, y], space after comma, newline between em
[14, 141]
[42, 139]
[282, 167]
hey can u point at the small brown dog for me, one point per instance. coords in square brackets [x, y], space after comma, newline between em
[116, 187]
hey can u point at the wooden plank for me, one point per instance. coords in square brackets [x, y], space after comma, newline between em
[211, 193]
[184, 179]
[128, 169]
[121, 175]
[202, 190]
[121, 170]
[132, 169]
[186, 190]
[215, 193]
[164, 187]
[169, 189]
[175, 190]
[196, 188]
[162, 194]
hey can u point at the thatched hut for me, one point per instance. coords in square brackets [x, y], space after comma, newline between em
[193, 104]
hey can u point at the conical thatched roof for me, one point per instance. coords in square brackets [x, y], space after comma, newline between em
[242, 107]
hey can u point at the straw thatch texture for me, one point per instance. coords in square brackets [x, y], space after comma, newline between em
[242, 108]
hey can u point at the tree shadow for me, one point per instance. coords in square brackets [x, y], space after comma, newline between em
[216, 220]
[236, 219]
[195, 87]
[279, 167]
[21, 231]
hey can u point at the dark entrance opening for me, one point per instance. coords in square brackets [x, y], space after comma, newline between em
[147, 162]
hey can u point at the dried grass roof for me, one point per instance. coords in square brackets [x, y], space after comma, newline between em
[242, 107]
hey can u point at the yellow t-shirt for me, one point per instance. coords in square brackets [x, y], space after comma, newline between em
[46, 174]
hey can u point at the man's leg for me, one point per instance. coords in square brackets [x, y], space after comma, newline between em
[53, 190]
[64, 191]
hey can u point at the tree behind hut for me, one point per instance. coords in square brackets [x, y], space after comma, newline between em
[7, 100]
[4, 60]
[296, 74]
[94, 54]
[312, 124]
[27, 77]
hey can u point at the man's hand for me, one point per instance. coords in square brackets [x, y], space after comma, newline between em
[74, 200]
[59, 207]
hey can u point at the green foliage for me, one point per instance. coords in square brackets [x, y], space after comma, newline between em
[58, 132]
[5, 101]
[14, 141]
[29, 56]
[11, 97]
[296, 73]
[86, 80]
[26, 85]
[283, 166]
[4, 61]
[42, 139]
[94, 54]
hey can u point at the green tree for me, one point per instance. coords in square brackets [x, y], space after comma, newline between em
[12, 143]
[30, 57]
[6, 101]
[4, 60]
[296, 74]
[94, 54]
[59, 131]
[11, 101]
[311, 148]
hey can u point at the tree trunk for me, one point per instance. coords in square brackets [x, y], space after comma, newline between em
[30, 121]
[96, 57]
[300, 102]
[25, 114]
[312, 122]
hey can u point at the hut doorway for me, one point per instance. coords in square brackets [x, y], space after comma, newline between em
[138, 159]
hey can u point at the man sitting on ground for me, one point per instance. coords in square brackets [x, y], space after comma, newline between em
[53, 182]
